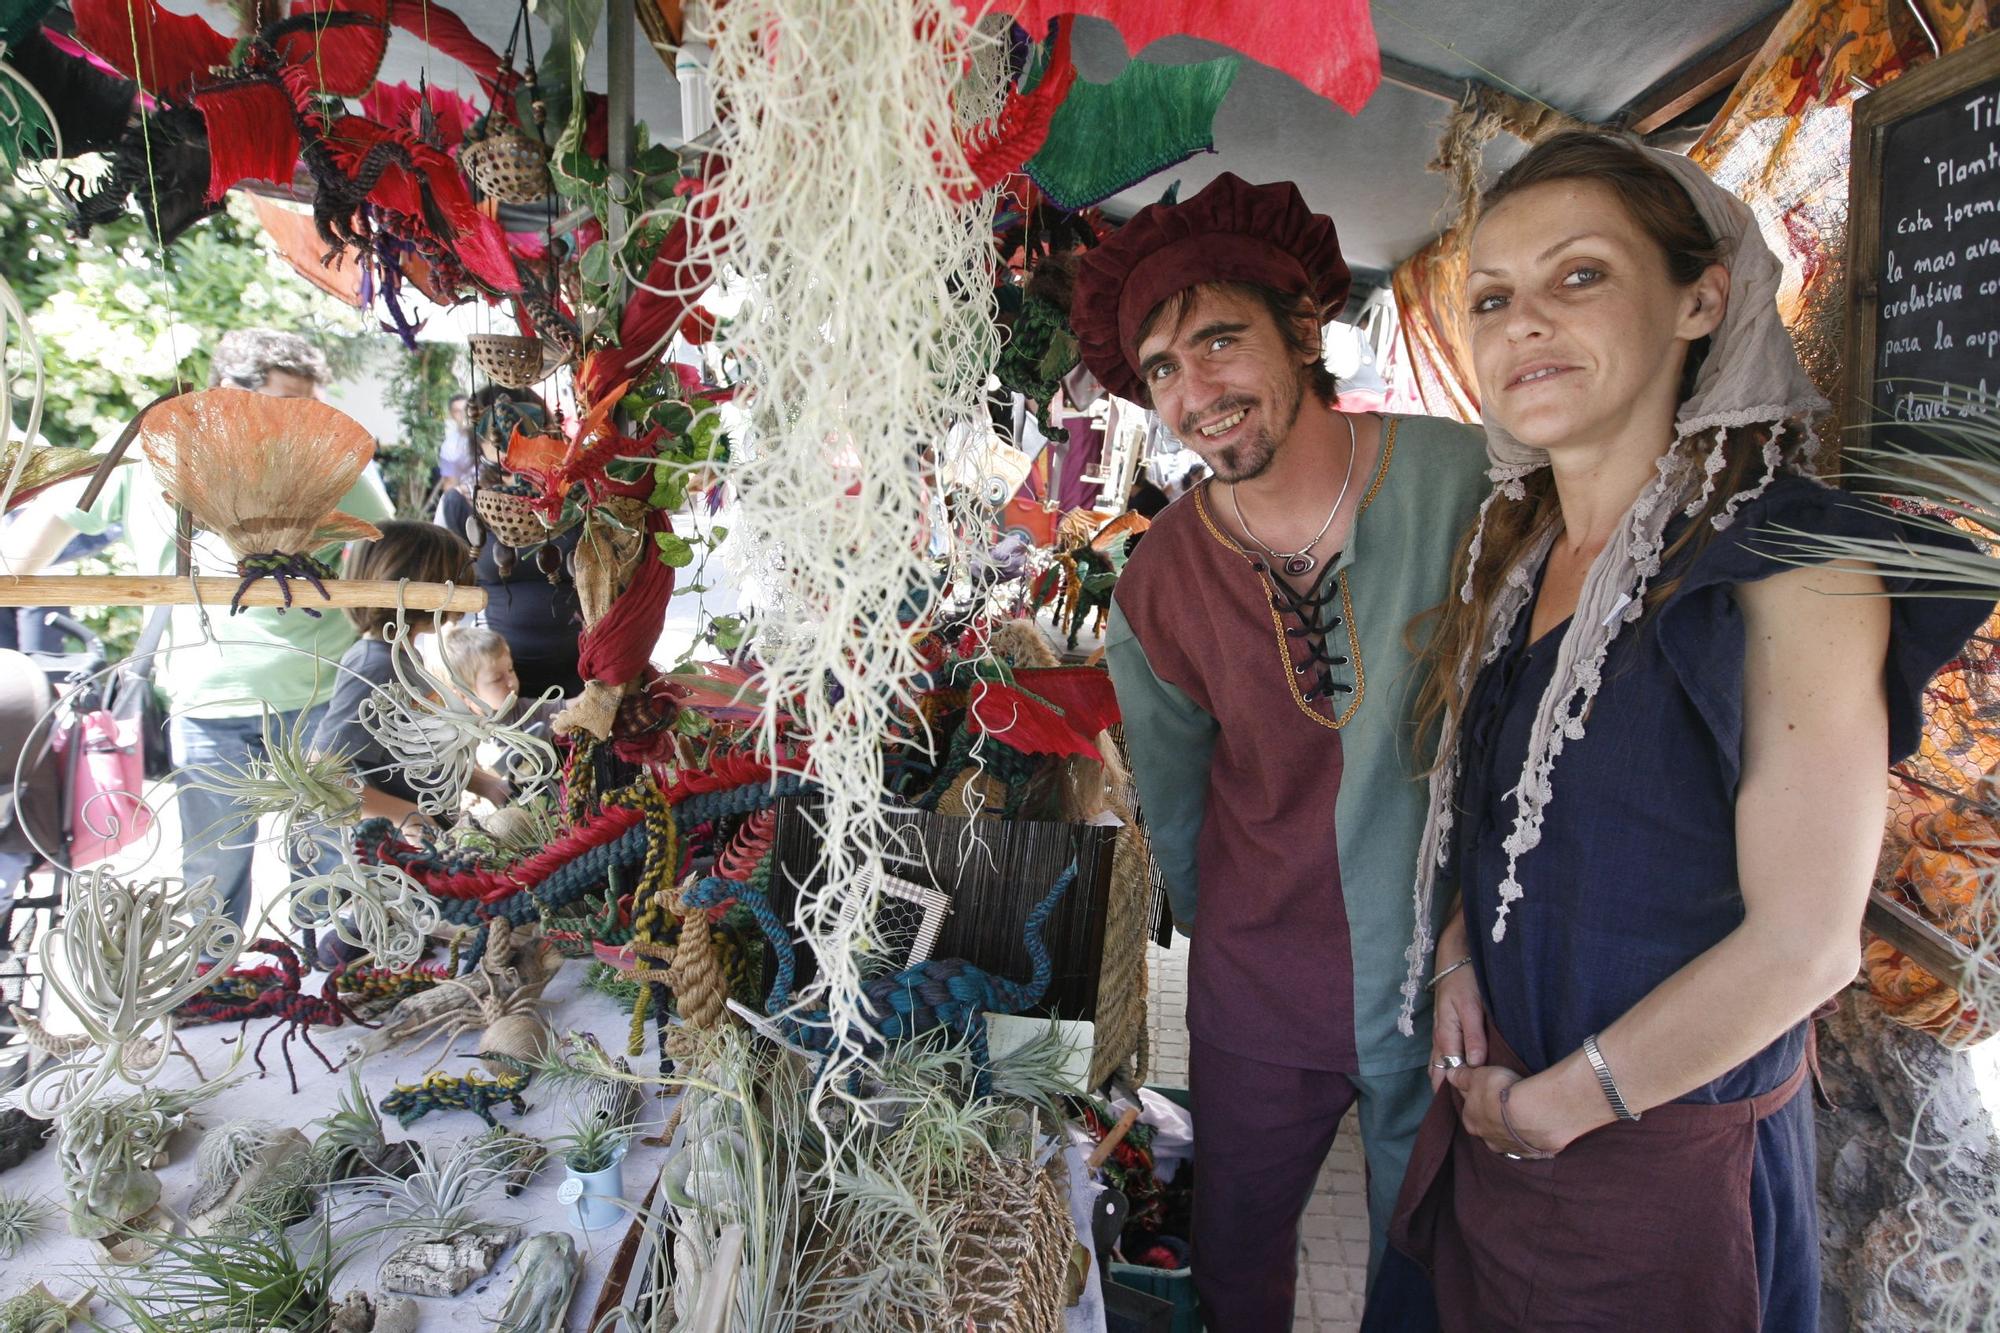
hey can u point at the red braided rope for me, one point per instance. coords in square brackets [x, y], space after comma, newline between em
[751, 844]
[723, 771]
[607, 825]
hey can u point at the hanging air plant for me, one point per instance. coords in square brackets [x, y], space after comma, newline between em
[308, 792]
[266, 475]
[433, 729]
[122, 959]
[376, 908]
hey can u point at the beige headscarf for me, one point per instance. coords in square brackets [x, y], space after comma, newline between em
[1751, 376]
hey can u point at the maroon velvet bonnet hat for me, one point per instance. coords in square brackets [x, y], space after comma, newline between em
[1232, 231]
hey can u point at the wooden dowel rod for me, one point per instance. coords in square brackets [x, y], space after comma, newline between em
[1102, 1153]
[165, 590]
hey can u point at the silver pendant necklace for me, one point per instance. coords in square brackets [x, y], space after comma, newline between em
[1297, 563]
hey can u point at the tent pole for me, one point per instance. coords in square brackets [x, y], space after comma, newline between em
[621, 43]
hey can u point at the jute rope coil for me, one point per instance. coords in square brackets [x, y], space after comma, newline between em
[700, 989]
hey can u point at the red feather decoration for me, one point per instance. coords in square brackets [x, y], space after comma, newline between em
[1328, 45]
[446, 33]
[165, 52]
[672, 283]
[251, 134]
[475, 238]
[343, 57]
[1024, 122]
[1057, 710]
[401, 107]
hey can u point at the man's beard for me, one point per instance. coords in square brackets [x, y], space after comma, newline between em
[1250, 458]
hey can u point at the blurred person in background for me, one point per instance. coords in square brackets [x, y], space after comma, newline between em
[265, 660]
[531, 598]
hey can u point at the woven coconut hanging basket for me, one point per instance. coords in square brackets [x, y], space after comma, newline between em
[508, 165]
[510, 359]
[510, 519]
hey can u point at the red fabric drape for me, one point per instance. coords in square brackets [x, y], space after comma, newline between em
[620, 645]
[165, 52]
[1328, 45]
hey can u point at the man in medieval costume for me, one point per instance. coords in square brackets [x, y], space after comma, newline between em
[1257, 643]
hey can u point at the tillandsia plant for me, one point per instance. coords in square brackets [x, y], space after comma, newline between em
[125, 955]
[433, 729]
[221, 1283]
[23, 1217]
[376, 908]
[590, 1143]
[36, 1310]
[1949, 484]
[352, 1132]
[308, 792]
[106, 1148]
[439, 1198]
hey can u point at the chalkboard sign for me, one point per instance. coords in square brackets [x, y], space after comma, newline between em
[1923, 344]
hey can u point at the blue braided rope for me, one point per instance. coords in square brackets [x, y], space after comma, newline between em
[950, 993]
[714, 891]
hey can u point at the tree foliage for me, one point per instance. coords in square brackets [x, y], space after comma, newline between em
[120, 320]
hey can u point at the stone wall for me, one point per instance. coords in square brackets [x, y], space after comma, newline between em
[1887, 1211]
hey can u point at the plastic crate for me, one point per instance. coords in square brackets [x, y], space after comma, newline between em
[1173, 1285]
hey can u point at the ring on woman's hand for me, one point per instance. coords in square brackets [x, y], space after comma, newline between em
[1514, 1156]
[1448, 1062]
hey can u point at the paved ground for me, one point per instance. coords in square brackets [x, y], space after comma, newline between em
[1333, 1255]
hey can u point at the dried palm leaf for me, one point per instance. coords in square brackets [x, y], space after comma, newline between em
[265, 474]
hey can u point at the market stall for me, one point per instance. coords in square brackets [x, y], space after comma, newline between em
[798, 979]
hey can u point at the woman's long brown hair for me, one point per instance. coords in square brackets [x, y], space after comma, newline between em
[1448, 633]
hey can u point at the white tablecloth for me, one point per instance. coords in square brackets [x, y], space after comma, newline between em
[67, 1264]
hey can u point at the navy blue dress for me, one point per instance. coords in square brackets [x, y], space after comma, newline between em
[1635, 874]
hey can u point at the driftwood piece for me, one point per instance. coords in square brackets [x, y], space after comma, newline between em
[37, 1310]
[168, 590]
[515, 964]
[544, 1283]
[446, 1267]
[358, 1312]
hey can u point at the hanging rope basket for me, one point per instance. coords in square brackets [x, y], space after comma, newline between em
[508, 165]
[510, 518]
[510, 359]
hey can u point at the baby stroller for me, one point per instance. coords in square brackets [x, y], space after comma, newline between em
[42, 752]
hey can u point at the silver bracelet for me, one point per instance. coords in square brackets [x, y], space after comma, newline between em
[1604, 1079]
[1433, 982]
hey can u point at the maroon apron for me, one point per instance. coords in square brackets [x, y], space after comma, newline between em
[1634, 1223]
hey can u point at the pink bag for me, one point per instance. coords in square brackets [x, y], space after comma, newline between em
[108, 777]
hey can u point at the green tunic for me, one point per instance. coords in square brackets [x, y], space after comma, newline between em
[1290, 816]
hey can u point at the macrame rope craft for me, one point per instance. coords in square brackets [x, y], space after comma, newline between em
[281, 568]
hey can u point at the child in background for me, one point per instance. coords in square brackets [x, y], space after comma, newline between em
[422, 553]
[482, 660]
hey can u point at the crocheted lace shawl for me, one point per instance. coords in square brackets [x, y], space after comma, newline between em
[1751, 376]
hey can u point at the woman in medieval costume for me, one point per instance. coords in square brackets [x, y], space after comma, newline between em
[1659, 795]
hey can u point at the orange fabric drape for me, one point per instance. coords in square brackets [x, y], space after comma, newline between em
[1432, 368]
[1807, 62]
[1782, 143]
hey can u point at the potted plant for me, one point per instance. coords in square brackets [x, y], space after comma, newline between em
[593, 1149]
